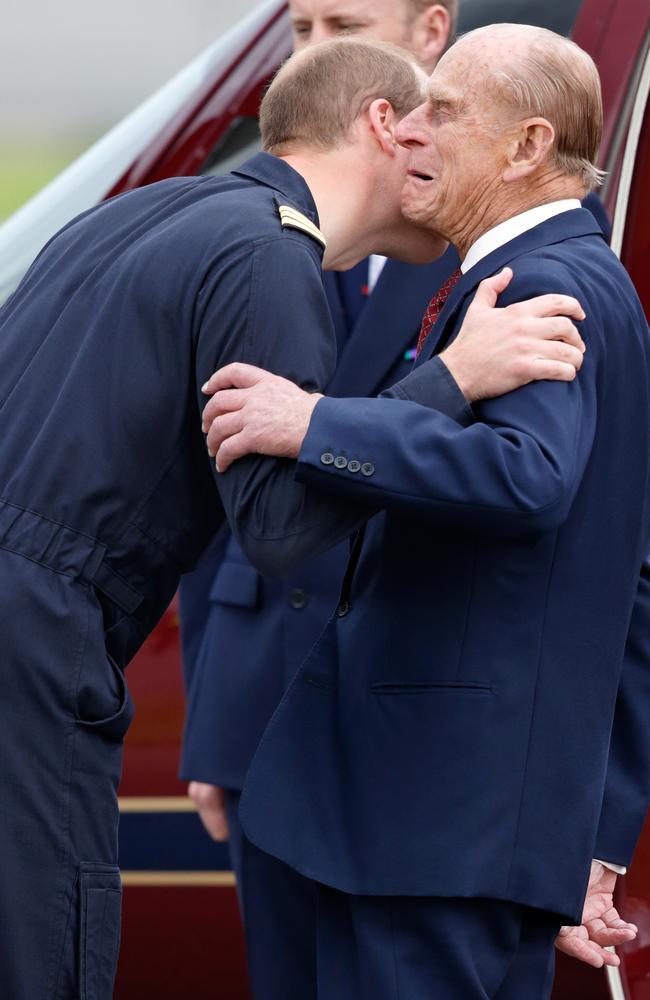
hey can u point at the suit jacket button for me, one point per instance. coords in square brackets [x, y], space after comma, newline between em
[340, 462]
[353, 465]
[298, 599]
[327, 458]
[343, 609]
[367, 469]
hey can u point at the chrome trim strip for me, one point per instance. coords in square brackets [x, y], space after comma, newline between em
[629, 158]
[615, 983]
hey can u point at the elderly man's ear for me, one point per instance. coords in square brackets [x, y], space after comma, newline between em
[383, 122]
[529, 149]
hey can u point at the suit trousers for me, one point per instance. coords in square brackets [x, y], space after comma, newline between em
[306, 941]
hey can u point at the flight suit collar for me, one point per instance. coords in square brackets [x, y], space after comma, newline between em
[276, 173]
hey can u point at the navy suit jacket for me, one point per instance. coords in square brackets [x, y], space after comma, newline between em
[449, 732]
[269, 625]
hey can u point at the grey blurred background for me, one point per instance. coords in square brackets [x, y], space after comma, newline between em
[69, 69]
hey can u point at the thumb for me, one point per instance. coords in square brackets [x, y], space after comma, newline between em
[236, 375]
[490, 289]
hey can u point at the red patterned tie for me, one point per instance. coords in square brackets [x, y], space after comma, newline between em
[435, 307]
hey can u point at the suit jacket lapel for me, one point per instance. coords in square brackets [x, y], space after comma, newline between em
[578, 222]
[389, 324]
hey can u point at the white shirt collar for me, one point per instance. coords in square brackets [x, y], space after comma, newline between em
[511, 228]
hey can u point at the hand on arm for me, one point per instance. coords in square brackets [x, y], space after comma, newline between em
[601, 927]
[496, 351]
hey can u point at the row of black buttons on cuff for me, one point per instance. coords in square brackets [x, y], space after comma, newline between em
[341, 462]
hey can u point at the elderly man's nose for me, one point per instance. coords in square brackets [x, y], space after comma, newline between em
[407, 131]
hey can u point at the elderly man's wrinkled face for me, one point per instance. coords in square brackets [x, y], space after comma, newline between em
[316, 20]
[456, 143]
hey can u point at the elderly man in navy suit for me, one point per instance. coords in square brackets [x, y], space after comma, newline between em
[440, 766]
[267, 625]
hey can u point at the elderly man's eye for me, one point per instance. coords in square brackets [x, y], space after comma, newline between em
[301, 29]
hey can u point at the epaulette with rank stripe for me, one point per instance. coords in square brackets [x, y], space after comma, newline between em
[291, 218]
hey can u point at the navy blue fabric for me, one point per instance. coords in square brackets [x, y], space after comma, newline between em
[353, 290]
[405, 948]
[448, 735]
[268, 631]
[311, 942]
[279, 912]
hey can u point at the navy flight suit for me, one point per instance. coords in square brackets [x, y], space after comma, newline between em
[107, 495]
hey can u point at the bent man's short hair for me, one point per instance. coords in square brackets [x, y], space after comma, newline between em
[319, 93]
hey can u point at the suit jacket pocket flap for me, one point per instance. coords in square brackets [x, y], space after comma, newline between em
[236, 584]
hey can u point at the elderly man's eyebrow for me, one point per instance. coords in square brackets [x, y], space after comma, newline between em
[441, 98]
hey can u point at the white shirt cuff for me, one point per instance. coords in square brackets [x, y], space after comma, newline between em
[619, 869]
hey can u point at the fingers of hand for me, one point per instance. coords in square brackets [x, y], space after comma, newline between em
[236, 375]
[553, 328]
[542, 369]
[224, 401]
[222, 428]
[215, 821]
[557, 350]
[231, 449]
[577, 945]
[551, 305]
[210, 803]
[490, 288]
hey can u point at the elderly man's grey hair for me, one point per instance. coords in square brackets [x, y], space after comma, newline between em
[553, 78]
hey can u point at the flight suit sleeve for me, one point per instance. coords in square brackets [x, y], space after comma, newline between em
[515, 470]
[268, 308]
[627, 786]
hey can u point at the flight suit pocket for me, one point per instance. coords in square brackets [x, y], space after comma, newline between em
[104, 704]
[101, 906]
[236, 584]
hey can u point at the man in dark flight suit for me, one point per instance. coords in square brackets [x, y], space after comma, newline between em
[444, 784]
[107, 495]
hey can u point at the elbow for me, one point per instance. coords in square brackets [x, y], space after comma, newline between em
[546, 508]
[272, 557]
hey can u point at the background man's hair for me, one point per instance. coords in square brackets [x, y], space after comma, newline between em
[319, 93]
[416, 7]
[554, 78]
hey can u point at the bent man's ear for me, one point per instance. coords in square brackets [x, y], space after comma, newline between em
[529, 148]
[383, 122]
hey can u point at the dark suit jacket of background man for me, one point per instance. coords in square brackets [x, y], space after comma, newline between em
[449, 733]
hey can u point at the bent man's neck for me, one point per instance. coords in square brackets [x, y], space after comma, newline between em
[507, 201]
[340, 195]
